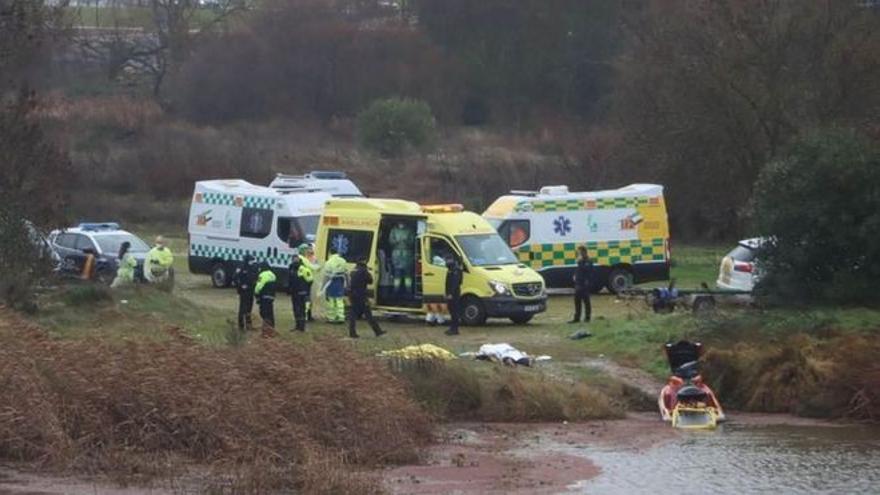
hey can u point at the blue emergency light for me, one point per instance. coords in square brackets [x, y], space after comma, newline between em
[98, 226]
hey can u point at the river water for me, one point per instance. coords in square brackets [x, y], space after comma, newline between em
[744, 459]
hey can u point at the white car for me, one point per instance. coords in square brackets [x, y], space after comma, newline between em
[738, 269]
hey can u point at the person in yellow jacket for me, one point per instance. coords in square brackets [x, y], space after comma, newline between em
[335, 271]
[306, 254]
[299, 282]
[264, 291]
[157, 265]
[127, 264]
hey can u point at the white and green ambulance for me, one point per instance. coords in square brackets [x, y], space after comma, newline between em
[625, 230]
[231, 218]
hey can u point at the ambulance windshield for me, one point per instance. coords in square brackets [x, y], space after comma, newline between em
[486, 250]
[495, 222]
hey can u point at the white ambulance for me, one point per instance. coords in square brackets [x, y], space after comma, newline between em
[626, 232]
[231, 218]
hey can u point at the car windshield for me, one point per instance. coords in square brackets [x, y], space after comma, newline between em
[110, 243]
[486, 249]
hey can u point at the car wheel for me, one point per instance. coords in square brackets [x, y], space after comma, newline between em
[522, 319]
[472, 311]
[220, 276]
[619, 280]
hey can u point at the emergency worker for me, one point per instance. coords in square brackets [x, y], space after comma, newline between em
[157, 265]
[264, 291]
[402, 240]
[244, 279]
[454, 277]
[127, 264]
[334, 286]
[306, 254]
[300, 279]
[582, 285]
[434, 315]
[360, 301]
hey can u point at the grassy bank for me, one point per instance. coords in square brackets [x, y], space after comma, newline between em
[738, 339]
[269, 416]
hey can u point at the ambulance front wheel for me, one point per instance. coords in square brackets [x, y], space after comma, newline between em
[619, 280]
[472, 311]
[220, 276]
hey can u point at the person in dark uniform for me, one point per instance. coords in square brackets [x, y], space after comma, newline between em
[264, 291]
[582, 285]
[244, 279]
[299, 283]
[359, 279]
[454, 276]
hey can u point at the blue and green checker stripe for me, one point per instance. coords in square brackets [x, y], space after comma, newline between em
[237, 254]
[225, 199]
[581, 204]
[603, 253]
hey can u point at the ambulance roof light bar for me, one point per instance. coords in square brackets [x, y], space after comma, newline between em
[554, 190]
[447, 208]
[315, 174]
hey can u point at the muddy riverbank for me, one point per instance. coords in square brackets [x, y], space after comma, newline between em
[638, 454]
[751, 453]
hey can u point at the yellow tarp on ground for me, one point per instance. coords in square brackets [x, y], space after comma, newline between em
[424, 351]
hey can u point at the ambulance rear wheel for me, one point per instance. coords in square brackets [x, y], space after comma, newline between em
[220, 276]
[472, 311]
[619, 280]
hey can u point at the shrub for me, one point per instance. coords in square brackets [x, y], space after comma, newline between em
[820, 207]
[267, 417]
[87, 295]
[389, 126]
[800, 374]
[22, 261]
[487, 392]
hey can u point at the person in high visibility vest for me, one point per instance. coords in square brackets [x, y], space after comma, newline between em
[299, 279]
[127, 264]
[264, 291]
[306, 254]
[157, 265]
[334, 286]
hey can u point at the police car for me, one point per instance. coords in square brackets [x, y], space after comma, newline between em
[102, 240]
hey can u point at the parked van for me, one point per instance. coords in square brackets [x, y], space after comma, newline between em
[231, 218]
[496, 284]
[626, 232]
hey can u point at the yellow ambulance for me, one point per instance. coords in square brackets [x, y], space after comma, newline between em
[406, 247]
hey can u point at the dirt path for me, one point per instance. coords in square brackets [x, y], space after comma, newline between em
[637, 378]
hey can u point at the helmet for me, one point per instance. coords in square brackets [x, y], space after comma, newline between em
[265, 266]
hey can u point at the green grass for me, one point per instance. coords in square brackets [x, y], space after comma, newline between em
[692, 265]
[624, 330]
